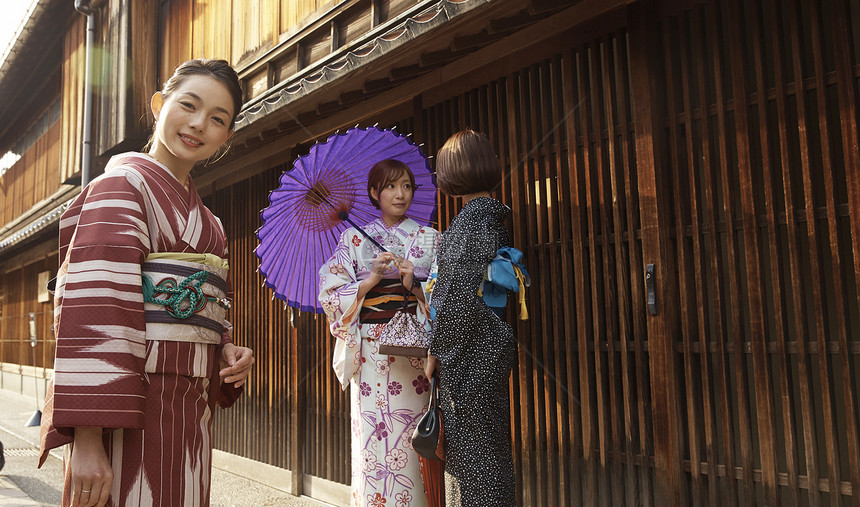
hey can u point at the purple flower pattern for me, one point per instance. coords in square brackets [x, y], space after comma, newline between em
[383, 409]
[364, 389]
[394, 388]
[421, 384]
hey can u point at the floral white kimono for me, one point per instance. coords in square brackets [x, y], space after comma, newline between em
[389, 393]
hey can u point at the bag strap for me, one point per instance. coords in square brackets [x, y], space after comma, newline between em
[434, 395]
[405, 295]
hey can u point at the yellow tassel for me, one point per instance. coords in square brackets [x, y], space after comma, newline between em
[524, 311]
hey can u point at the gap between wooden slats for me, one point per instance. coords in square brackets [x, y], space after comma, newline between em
[727, 188]
[775, 257]
[815, 290]
[761, 382]
[553, 337]
[530, 155]
[593, 157]
[684, 265]
[519, 180]
[571, 269]
[605, 175]
[848, 113]
[576, 103]
[627, 289]
[699, 53]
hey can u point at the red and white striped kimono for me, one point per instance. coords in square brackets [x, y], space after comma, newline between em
[153, 396]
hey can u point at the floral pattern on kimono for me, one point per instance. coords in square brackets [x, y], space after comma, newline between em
[389, 394]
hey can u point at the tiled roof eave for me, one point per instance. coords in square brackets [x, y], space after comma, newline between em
[350, 58]
[32, 228]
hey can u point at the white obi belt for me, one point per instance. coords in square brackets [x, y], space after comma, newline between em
[185, 297]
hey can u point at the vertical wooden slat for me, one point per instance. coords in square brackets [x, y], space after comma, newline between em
[564, 353]
[770, 201]
[527, 430]
[620, 175]
[710, 159]
[698, 261]
[847, 93]
[611, 233]
[529, 136]
[635, 285]
[656, 248]
[813, 252]
[532, 237]
[732, 271]
[586, 69]
[582, 429]
[582, 250]
[552, 335]
[684, 288]
[752, 256]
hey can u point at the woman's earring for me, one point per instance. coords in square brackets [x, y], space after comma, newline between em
[218, 155]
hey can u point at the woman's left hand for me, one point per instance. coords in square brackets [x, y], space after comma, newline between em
[236, 363]
[407, 270]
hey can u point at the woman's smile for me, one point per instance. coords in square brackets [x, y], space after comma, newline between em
[190, 140]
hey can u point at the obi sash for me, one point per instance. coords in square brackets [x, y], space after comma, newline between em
[185, 297]
[382, 302]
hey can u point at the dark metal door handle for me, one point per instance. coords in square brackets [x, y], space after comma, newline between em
[649, 287]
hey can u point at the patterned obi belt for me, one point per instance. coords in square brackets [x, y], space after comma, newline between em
[185, 297]
[383, 301]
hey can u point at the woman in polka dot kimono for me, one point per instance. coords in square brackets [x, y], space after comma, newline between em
[360, 290]
[472, 348]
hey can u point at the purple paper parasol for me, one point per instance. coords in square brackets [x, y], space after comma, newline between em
[304, 219]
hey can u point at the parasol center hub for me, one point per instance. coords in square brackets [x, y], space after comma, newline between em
[317, 194]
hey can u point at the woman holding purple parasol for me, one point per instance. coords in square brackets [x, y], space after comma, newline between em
[361, 287]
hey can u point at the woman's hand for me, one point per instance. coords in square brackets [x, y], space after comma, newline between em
[424, 307]
[92, 475]
[236, 363]
[382, 265]
[378, 269]
[431, 365]
[407, 272]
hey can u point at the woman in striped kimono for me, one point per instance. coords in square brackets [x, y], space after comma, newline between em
[360, 290]
[140, 302]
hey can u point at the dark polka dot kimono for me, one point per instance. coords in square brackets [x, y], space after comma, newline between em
[476, 351]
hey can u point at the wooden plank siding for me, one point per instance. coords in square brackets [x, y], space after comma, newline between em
[124, 75]
[74, 71]
[35, 176]
[770, 383]
[18, 290]
[716, 140]
[749, 208]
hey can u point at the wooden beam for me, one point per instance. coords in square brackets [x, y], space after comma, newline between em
[655, 209]
[297, 405]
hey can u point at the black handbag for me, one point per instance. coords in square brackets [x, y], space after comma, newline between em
[428, 439]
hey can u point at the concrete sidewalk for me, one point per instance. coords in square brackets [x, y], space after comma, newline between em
[23, 485]
[12, 496]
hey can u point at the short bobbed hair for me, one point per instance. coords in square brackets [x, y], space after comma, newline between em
[466, 164]
[384, 172]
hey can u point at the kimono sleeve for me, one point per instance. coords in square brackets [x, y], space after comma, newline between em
[99, 317]
[339, 298]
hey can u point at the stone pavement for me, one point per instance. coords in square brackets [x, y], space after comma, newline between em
[23, 485]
